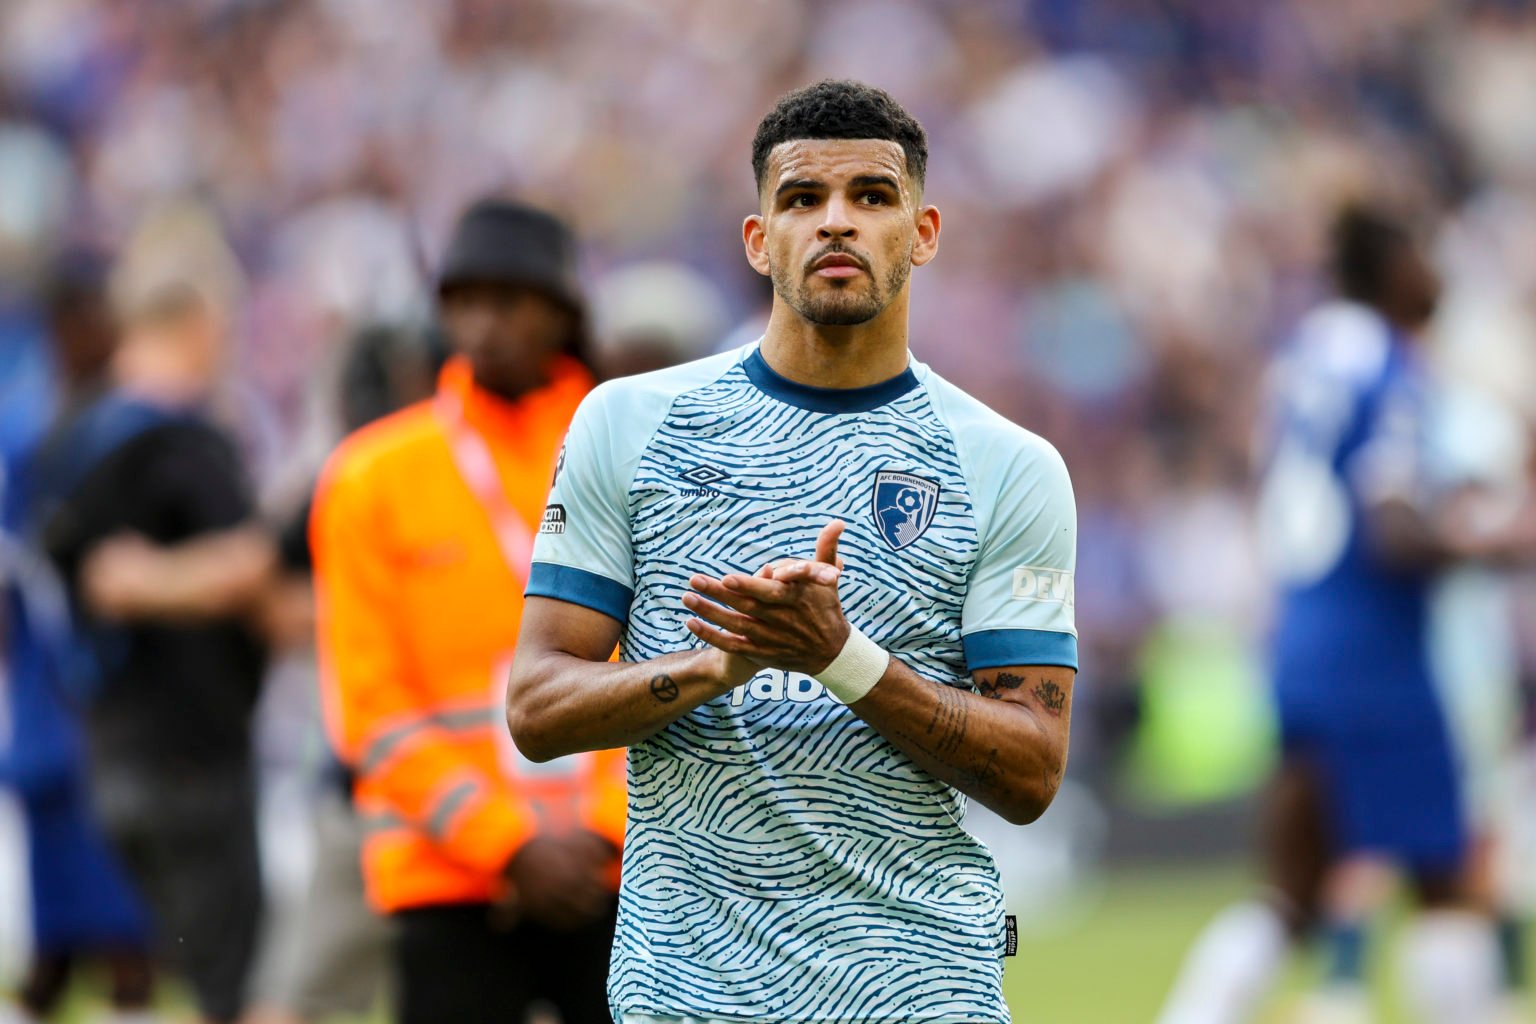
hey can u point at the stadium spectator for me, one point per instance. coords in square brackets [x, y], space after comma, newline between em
[649, 316]
[146, 511]
[498, 873]
[1357, 527]
[797, 783]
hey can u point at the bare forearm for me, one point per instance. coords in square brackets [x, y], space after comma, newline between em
[211, 577]
[219, 576]
[559, 703]
[1008, 756]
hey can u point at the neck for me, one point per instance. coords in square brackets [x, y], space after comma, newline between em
[825, 356]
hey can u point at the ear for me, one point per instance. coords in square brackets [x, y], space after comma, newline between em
[926, 246]
[754, 237]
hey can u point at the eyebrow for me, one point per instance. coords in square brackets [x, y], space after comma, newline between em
[797, 184]
[862, 181]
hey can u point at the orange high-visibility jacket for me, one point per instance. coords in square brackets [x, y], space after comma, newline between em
[418, 614]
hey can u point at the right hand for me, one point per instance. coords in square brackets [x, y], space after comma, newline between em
[559, 880]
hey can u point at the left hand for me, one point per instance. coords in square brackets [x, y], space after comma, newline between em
[788, 616]
[115, 572]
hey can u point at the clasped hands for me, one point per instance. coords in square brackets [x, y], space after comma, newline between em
[786, 616]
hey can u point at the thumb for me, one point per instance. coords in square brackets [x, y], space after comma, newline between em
[826, 543]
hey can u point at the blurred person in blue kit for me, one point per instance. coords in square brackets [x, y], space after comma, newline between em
[145, 508]
[1367, 787]
[82, 907]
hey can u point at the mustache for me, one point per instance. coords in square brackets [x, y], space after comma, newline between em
[839, 250]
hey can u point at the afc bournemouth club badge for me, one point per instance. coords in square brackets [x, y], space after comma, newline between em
[904, 506]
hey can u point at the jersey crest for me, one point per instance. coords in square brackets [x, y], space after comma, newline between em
[903, 507]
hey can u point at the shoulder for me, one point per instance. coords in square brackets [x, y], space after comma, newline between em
[142, 437]
[620, 417]
[1344, 342]
[988, 443]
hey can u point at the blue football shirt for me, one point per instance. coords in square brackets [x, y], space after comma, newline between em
[783, 861]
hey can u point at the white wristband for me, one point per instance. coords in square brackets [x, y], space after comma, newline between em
[856, 669]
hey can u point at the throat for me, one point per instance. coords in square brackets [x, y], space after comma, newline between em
[835, 357]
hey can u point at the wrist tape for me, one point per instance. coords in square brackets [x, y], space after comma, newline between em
[856, 669]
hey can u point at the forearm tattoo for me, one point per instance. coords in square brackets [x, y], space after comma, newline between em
[947, 729]
[664, 688]
[951, 715]
[983, 773]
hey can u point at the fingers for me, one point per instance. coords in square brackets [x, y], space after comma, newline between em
[730, 643]
[804, 571]
[719, 615]
[743, 593]
[826, 543]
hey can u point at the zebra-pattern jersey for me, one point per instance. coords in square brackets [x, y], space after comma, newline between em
[783, 862]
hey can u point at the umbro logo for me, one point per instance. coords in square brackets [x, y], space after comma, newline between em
[702, 477]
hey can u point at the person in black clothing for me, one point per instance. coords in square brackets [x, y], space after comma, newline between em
[148, 514]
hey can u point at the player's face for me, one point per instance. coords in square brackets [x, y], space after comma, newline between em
[509, 335]
[841, 228]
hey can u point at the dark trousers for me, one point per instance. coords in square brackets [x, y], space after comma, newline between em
[189, 845]
[453, 965]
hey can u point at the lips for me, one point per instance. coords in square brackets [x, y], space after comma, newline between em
[837, 264]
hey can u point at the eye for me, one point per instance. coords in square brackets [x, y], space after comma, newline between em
[872, 199]
[802, 200]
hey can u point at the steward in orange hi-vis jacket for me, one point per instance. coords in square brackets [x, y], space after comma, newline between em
[501, 872]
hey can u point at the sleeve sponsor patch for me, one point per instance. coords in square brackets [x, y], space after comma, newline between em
[1045, 586]
[554, 519]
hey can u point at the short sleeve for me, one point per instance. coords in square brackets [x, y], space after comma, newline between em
[583, 552]
[1389, 465]
[196, 474]
[1019, 606]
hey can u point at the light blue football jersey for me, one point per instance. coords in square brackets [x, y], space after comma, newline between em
[783, 861]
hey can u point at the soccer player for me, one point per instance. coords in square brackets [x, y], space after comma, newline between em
[1367, 784]
[843, 590]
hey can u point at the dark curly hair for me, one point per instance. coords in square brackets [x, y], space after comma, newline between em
[840, 109]
[1363, 240]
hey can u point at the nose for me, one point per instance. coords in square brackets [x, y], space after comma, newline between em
[837, 222]
[475, 325]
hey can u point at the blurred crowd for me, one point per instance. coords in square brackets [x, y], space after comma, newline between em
[1134, 194]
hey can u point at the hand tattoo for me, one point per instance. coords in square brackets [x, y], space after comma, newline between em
[664, 688]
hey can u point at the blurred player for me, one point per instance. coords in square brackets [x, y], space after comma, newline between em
[802, 748]
[498, 874]
[82, 906]
[1367, 783]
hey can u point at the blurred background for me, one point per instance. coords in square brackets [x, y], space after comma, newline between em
[1135, 197]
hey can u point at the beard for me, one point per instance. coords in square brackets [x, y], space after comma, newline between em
[840, 302]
